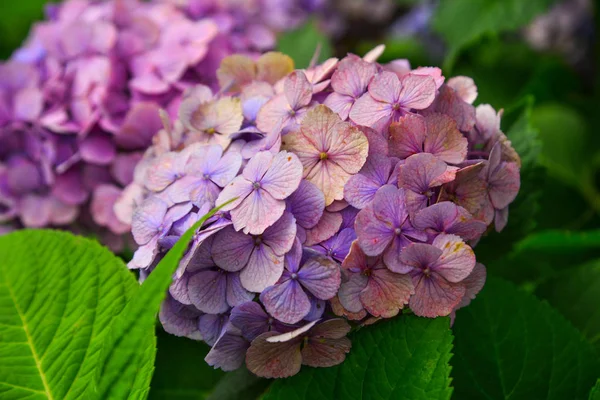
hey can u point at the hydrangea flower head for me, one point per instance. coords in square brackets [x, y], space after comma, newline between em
[358, 190]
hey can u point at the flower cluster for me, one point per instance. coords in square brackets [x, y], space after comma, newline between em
[79, 102]
[358, 190]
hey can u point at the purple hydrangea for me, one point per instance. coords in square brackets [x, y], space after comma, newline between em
[79, 103]
[359, 192]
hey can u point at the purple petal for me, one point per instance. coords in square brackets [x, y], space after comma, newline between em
[374, 235]
[236, 294]
[231, 250]
[264, 269]
[251, 319]
[256, 212]
[280, 237]
[207, 291]
[361, 188]
[147, 219]
[211, 326]
[286, 301]
[350, 290]
[320, 276]
[229, 351]
[179, 320]
[306, 204]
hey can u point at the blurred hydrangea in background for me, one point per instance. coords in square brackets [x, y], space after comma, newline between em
[79, 101]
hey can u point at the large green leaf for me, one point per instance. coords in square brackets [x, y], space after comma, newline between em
[559, 241]
[405, 357]
[510, 345]
[463, 22]
[300, 44]
[181, 372]
[126, 372]
[575, 293]
[58, 295]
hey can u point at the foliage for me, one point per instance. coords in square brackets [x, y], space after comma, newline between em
[508, 344]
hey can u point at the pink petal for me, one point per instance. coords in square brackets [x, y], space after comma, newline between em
[386, 293]
[464, 87]
[298, 90]
[473, 284]
[328, 225]
[273, 360]
[368, 112]
[256, 212]
[340, 104]
[434, 296]
[324, 352]
[457, 259]
[385, 87]
[444, 140]
[283, 176]
[407, 136]
[418, 91]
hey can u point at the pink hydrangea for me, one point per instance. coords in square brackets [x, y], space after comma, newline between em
[79, 102]
[359, 190]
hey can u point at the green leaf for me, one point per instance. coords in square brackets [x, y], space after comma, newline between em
[300, 44]
[240, 384]
[560, 242]
[404, 357]
[463, 22]
[181, 373]
[128, 360]
[595, 393]
[563, 154]
[58, 295]
[510, 345]
[575, 293]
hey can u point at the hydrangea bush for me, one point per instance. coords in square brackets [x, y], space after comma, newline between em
[79, 101]
[359, 191]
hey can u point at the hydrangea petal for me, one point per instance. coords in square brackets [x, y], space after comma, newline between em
[386, 292]
[273, 360]
[306, 204]
[231, 250]
[286, 301]
[207, 291]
